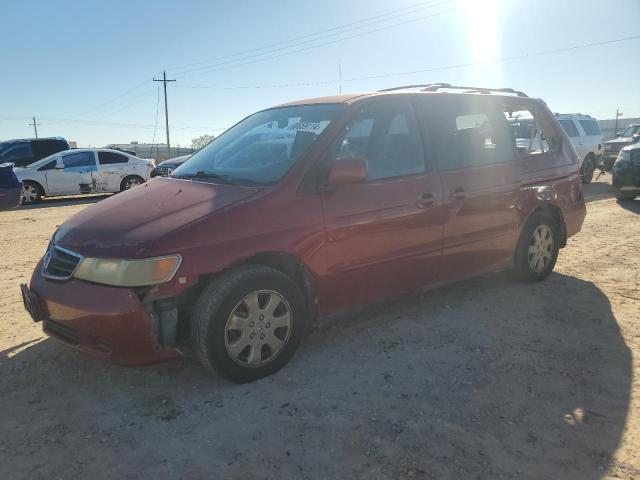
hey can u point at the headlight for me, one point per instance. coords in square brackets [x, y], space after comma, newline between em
[128, 273]
[624, 157]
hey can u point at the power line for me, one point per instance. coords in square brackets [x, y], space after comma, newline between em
[411, 72]
[213, 68]
[153, 141]
[407, 10]
[101, 105]
[96, 123]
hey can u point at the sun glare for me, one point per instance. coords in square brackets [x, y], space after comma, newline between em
[483, 20]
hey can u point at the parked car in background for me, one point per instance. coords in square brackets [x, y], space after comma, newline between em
[629, 136]
[82, 171]
[24, 152]
[586, 137]
[626, 173]
[10, 187]
[165, 168]
[305, 209]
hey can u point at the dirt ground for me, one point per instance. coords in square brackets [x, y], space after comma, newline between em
[484, 379]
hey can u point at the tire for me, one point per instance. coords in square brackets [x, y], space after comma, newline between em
[31, 193]
[624, 196]
[219, 346]
[588, 167]
[130, 182]
[530, 252]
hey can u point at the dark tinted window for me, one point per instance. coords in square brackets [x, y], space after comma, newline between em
[590, 127]
[106, 158]
[79, 159]
[386, 136]
[570, 128]
[467, 131]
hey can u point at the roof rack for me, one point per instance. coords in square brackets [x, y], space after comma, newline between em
[434, 87]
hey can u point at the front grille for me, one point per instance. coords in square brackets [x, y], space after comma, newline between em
[59, 263]
[163, 170]
[635, 156]
[61, 331]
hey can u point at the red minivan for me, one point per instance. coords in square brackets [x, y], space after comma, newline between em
[305, 209]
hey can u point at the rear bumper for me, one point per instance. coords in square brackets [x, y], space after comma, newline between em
[106, 322]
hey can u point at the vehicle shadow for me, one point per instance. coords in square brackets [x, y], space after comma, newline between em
[486, 379]
[65, 201]
[599, 190]
[631, 205]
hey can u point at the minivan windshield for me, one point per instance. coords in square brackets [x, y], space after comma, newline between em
[262, 148]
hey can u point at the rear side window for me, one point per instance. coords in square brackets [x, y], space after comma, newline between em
[590, 127]
[45, 147]
[79, 160]
[386, 135]
[467, 131]
[107, 158]
[570, 128]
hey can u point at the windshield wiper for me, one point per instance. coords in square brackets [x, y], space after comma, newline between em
[207, 174]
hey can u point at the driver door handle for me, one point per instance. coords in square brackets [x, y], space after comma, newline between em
[426, 200]
[457, 193]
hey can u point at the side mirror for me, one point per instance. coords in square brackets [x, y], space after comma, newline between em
[345, 171]
[59, 166]
[636, 138]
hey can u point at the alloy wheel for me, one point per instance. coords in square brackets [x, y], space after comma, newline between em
[29, 194]
[258, 328]
[540, 248]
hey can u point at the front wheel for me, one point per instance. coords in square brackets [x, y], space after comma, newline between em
[248, 322]
[588, 167]
[538, 248]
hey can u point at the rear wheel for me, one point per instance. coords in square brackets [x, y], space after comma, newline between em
[538, 248]
[130, 182]
[248, 322]
[31, 192]
[588, 167]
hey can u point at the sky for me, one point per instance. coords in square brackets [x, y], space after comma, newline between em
[85, 68]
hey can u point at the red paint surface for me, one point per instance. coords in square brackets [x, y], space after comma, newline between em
[361, 242]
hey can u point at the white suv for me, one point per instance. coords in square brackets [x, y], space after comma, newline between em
[586, 137]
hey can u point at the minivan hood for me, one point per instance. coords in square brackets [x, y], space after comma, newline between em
[127, 224]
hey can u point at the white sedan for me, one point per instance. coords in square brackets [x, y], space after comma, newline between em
[85, 170]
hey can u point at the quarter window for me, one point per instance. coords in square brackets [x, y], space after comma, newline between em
[534, 134]
[78, 160]
[386, 136]
[570, 128]
[107, 158]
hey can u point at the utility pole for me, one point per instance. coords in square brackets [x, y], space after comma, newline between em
[35, 126]
[615, 129]
[166, 110]
[340, 76]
